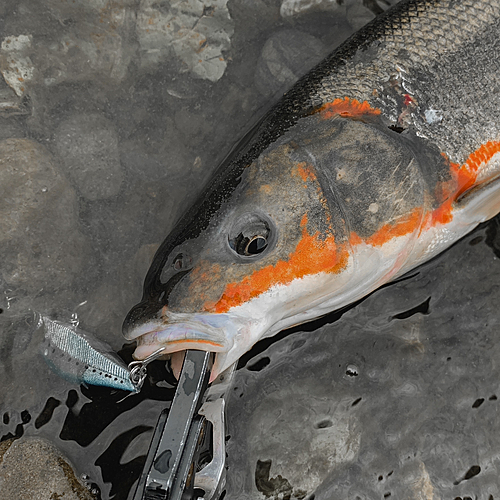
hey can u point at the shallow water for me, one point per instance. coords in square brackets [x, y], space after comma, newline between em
[112, 118]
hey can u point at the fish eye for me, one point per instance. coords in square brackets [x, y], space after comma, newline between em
[250, 235]
[256, 245]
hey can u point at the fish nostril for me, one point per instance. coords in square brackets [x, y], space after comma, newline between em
[181, 262]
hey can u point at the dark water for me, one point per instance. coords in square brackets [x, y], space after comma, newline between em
[115, 127]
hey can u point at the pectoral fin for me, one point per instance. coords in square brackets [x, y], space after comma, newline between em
[481, 202]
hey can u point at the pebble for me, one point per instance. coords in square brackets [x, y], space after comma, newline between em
[358, 14]
[304, 434]
[41, 246]
[292, 8]
[156, 151]
[88, 147]
[287, 55]
[32, 468]
[195, 35]
[90, 41]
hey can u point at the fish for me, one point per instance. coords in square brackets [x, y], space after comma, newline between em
[79, 357]
[378, 159]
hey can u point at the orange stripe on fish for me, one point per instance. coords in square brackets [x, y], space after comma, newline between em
[311, 256]
[195, 341]
[464, 177]
[305, 171]
[348, 108]
[403, 226]
[329, 257]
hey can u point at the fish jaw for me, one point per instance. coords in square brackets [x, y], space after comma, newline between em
[228, 335]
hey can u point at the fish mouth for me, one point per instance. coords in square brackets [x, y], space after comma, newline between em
[228, 335]
[218, 333]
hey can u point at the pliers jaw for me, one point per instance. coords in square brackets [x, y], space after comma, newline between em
[170, 471]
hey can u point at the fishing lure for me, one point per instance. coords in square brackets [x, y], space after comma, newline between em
[79, 357]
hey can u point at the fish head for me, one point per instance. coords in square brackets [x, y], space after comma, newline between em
[267, 246]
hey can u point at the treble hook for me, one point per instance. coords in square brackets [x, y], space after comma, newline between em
[138, 369]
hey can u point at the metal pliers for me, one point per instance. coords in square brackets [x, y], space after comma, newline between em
[170, 471]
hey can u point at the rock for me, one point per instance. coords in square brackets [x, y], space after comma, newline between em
[192, 125]
[34, 468]
[252, 17]
[286, 56]
[156, 150]
[298, 435]
[293, 8]
[15, 64]
[358, 14]
[97, 44]
[195, 33]
[75, 41]
[88, 147]
[41, 246]
[9, 129]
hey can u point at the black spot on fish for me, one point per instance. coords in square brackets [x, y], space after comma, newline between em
[422, 308]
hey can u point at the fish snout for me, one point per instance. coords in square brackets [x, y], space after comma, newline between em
[137, 321]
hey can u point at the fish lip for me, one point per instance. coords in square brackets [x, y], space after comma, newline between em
[143, 329]
[180, 331]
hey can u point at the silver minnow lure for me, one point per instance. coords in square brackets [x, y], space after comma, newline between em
[81, 358]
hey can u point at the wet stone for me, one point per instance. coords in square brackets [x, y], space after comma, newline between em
[88, 148]
[253, 16]
[192, 125]
[304, 433]
[82, 40]
[358, 15]
[9, 129]
[156, 151]
[33, 468]
[194, 34]
[41, 246]
[286, 56]
[293, 8]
